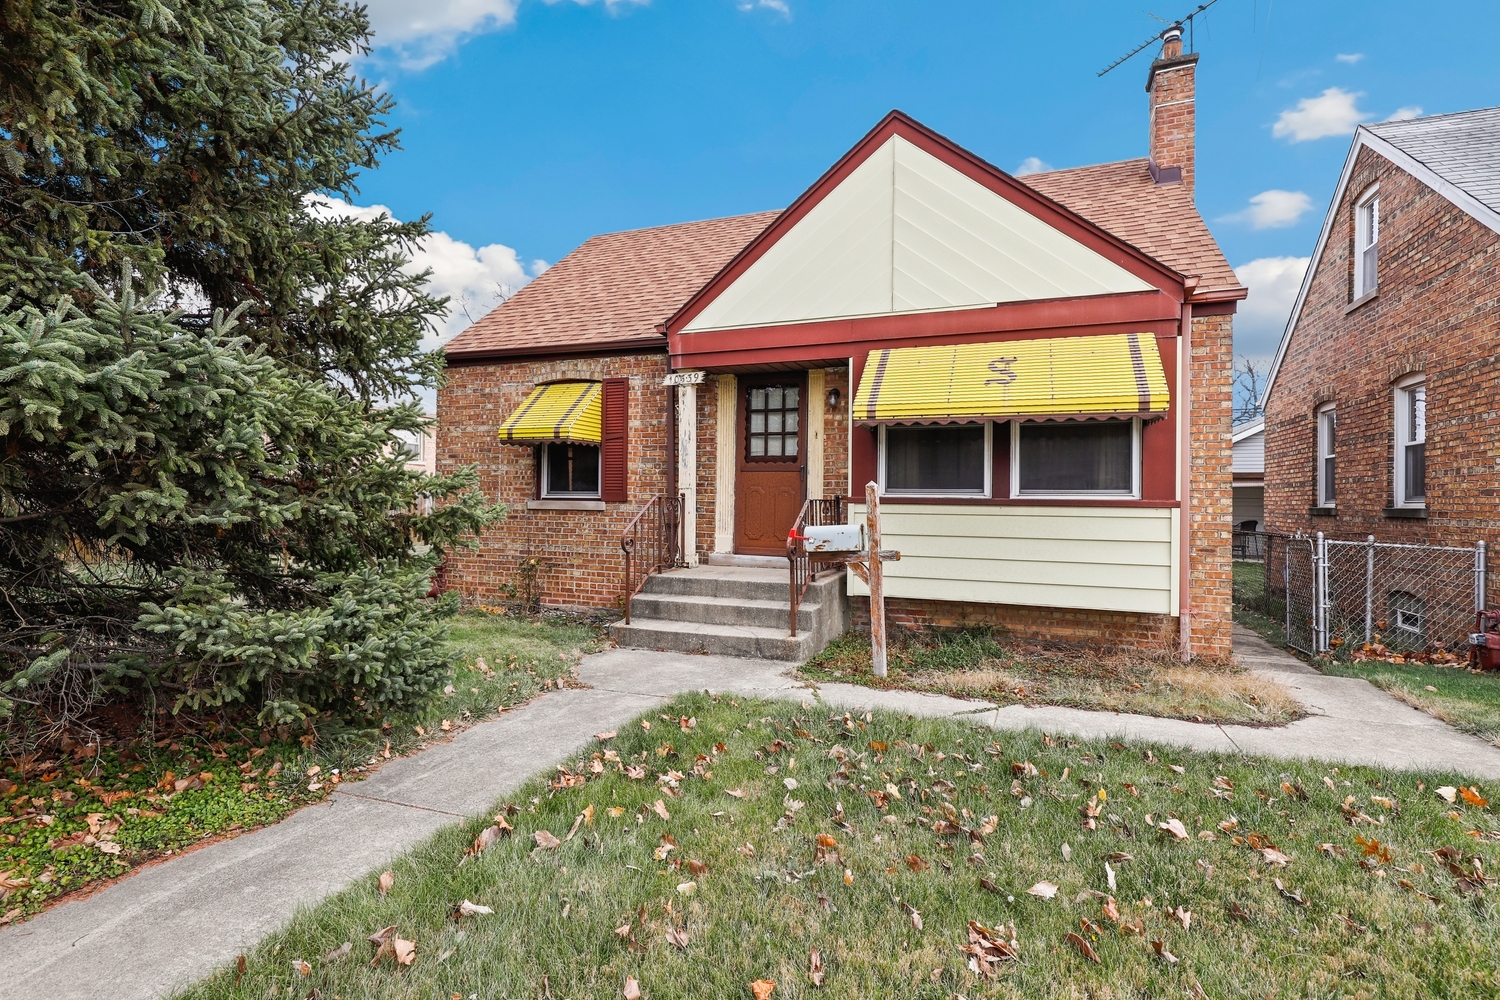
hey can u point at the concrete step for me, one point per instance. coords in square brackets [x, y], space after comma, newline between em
[735, 559]
[722, 640]
[742, 582]
[724, 610]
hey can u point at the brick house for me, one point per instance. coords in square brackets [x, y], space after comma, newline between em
[1382, 406]
[1036, 371]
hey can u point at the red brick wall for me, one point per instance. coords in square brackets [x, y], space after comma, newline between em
[582, 565]
[1157, 633]
[1211, 534]
[836, 436]
[1436, 312]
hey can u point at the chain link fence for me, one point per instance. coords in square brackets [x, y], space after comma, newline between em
[1348, 597]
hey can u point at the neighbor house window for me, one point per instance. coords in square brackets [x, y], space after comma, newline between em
[944, 460]
[1411, 443]
[1076, 458]
[1366, 239]
[1328, 422]
[570, 471]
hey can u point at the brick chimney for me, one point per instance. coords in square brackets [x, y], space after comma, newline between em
[1170, 86]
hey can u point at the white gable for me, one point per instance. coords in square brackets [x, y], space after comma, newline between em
[905, 232]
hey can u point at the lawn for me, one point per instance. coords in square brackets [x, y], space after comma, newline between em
[731, 846]
[975, 663]
[1467, 701]
[75, 813]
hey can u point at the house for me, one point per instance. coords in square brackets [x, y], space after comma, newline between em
[1036, 371]
[1382, 406]
[1249, 470]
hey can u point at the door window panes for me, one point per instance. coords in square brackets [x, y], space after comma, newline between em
[774, 414]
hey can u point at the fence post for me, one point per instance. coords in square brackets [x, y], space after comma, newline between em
[1320, 596]
[1369, 587]
[1479, 576]
[1286, 588]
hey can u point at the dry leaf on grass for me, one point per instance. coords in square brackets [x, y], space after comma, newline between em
[302, 967]
[545, 840]
[1472, 797]
[815, 967]
[686, 888]
[1174, 827]
[468, 909]
[488, 836]
[914, 913]
[632, 988]
[1448, 794]
[1112, 909]
[916, 864]
[1162, 953]
[734, 793]
[1274, 857]
[605, 736]
[1184, 916]
[678, 936]
[387, 879]
[1042, 890]
[762, 989]
[660, 808]
[988, 947]
[1084, 948]
[339, 952]
[1237, 911]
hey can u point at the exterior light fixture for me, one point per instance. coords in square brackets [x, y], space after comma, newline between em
[833, 399]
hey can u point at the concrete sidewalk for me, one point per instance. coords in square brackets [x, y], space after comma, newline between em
[173, 923]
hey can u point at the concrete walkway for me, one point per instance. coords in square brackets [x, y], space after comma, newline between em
[173, 923]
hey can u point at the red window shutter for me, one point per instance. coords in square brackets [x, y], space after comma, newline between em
[614, 454]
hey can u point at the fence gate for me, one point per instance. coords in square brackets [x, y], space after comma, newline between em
[1299, 567]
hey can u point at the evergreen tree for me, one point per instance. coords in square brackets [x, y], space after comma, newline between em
[201, 491]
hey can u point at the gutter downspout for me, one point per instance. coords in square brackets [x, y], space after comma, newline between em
[1185, 472]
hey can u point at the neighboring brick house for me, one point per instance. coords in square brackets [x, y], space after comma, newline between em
[1382, 409]
[1003, 355]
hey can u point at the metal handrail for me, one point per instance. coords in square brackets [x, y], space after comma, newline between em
[814, 512]
[654, 537]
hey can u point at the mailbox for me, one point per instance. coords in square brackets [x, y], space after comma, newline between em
[834, 538]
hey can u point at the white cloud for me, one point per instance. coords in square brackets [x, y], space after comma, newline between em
[1405, 114]
[472, 277]
[1273, 284]
[421, 34]
[1332, 112]
[1349, 57]
[1033, 165]
[780, 6]
[1273, 209]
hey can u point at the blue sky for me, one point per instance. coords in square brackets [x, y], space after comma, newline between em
[529, 125]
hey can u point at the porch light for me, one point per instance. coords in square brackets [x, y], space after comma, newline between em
[833, 399]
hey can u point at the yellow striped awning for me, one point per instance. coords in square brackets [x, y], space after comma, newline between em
[559, 411]
[1109, 375]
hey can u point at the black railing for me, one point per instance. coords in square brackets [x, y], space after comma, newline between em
[652, 543]
[814, 512]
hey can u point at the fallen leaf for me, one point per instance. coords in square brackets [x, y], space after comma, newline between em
[1447, 793]
[762, 989]
[632, 988]
[1042, 890]
[1084, 948]
[339, 952]
[446, 726]
[605, 736]
[545, 840]
[734, 793]
[1161, 952]
[916, 864]
[678, 936]
[660, 808]
[815, 967]
[686, 888]
[1472, 797]
[914, 914]
[1290, 894]
[1174, 827]
[1112, 909]
[1184, 916]
[1274, 857]
[1178, 768]
[635, 772]
[1237, 911]
[387, 879]
[1109, 876]
[988, 947]
[488, 836]
[615, 812]
[302, 967]
[468, 909]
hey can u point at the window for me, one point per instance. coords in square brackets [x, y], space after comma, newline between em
[774, 422]
[1066, 458]
[411, 443]
[1411, 443]
[1328, 422]
[948, 460]
[1366, 238]
[1410, 614]
[570, 471]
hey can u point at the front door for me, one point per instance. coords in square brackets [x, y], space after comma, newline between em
[771, 468]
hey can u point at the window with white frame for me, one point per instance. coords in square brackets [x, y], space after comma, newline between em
[1076, 458]
[570, 471]
[1366, 239]
[941, 460]
[1411, 443]
[1328, 421]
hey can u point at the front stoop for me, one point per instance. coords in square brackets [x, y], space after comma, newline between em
[734, 611]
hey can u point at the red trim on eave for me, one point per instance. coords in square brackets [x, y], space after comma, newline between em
[480, 356]
[1145, 267]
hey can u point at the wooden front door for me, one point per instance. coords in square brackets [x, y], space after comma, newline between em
[770, 477]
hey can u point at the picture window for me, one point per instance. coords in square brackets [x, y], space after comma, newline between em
[944, 460]
[570, 471]
[1076, 458]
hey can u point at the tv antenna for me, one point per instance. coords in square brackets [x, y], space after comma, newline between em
[1176, 25]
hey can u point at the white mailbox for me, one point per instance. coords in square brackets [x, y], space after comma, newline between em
[835, 537]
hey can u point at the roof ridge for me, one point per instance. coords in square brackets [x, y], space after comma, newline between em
[679, 225]
[1397, 123]
[1086, 166]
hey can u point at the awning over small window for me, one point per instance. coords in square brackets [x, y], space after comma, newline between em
[560, 411]
[1111, 375]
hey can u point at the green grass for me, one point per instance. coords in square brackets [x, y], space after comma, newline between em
[128, 787]
[974, 663]
[1381, 925]
[1469, 702]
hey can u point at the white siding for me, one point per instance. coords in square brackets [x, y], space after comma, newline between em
[905, 232]
[1096, 558]
[1250, 455]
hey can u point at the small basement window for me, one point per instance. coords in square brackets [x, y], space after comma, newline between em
[946, 460]
[570, 471]
[1076, 458]
[1410, 614]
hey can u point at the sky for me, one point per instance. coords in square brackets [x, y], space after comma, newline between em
[530, 125]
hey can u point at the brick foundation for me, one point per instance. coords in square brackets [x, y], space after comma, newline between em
[1157, 633]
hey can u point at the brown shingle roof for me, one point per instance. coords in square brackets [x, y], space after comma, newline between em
[612, 291]
[1158, 219]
